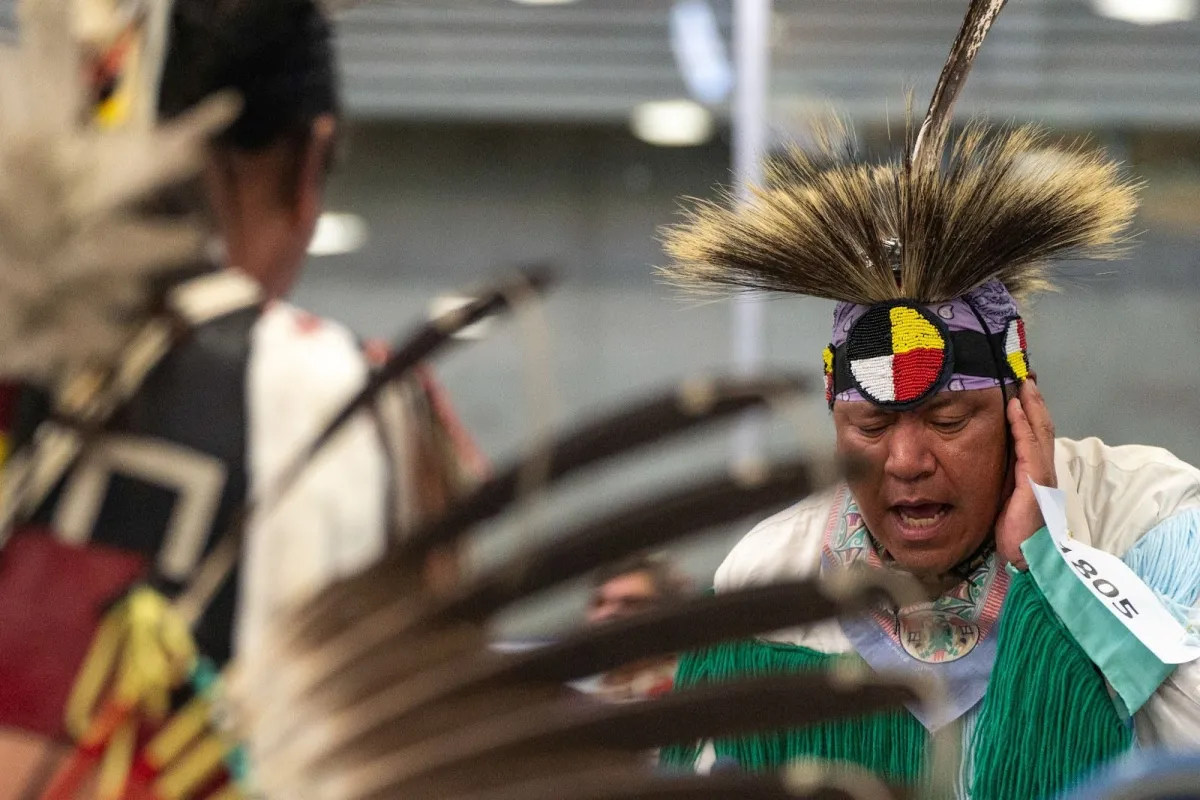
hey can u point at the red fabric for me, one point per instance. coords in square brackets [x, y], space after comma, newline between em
[52, 597]
[8, 406]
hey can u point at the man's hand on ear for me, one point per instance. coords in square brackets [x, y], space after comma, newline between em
[1033, 436]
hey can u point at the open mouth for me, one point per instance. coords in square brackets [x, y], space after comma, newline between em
[919, 520]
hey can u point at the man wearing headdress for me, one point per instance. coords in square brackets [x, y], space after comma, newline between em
[934, 405]
[219, 415]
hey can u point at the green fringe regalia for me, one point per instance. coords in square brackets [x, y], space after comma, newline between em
[1045, 721]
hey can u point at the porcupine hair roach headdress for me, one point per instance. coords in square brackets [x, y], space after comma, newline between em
[924, 254]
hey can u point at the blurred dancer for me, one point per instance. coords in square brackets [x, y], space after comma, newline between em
[214, 418]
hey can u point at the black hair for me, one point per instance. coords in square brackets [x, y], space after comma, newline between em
[277, 54]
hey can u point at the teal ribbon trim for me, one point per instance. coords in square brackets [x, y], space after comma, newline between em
[1133, 672]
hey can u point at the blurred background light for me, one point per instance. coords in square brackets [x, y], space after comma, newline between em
[700, 51]
[337, 234]
[672, 123]
[1147, 12]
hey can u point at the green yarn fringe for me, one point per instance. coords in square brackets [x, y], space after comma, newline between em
[891, 744]
[1047, 719]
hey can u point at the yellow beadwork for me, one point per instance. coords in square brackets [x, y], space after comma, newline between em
[911, 331]
[1019, 365]
[184, 727]
[141, 651]
[116, 763]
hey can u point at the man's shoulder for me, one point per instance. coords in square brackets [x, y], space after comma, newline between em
[301, 328]
[301, 350]
[1090, 460]
[1123, 491]
[782, 547]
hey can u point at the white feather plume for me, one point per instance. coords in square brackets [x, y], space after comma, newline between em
[77, 255]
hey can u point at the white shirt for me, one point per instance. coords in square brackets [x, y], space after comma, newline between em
[333, 522]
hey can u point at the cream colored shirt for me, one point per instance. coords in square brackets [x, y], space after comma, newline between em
[1115, 495]
[333, 522]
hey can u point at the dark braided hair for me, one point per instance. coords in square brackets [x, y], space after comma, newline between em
[277, 54]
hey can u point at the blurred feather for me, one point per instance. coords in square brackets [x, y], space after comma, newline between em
[383, 686]
[81, 251]
[931, 137]
[379, 731]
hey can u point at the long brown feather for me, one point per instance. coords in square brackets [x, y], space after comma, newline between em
[927, 149]
[383, 616]
[369, 695]
[509, 732]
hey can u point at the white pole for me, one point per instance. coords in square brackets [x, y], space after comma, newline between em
[752, 52]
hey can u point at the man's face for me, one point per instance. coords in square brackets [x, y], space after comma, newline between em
[932, 478]
[621, 597]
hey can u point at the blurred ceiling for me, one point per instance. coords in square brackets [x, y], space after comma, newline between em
[1051, 60]
[593, 60]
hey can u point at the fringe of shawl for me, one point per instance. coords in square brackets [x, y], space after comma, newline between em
[1046, 721]
[891, 744]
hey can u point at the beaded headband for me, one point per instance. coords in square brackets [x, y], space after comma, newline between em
[899, 353]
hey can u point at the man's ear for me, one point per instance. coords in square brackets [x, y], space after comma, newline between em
[310, 188]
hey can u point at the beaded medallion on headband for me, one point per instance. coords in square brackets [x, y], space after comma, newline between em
[898, 353]
[960, 227]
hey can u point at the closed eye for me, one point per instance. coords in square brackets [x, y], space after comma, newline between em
[873, 429]
[950, 425]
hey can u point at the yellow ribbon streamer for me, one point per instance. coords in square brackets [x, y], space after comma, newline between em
[140, 652]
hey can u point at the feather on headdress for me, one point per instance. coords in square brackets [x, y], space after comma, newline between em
[831, 225]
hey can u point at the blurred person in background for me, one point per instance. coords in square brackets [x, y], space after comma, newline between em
[627, 589]
[220, 414]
